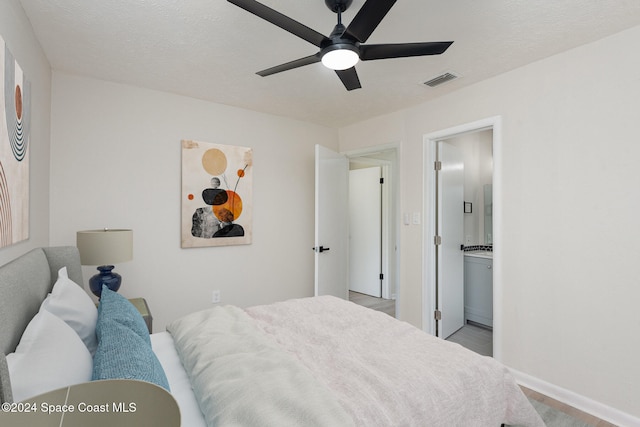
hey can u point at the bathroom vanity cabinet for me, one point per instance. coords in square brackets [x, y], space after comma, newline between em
[478, 289]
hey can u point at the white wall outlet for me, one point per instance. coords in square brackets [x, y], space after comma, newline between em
[215, 297]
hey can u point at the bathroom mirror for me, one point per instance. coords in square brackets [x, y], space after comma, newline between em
[477, 151]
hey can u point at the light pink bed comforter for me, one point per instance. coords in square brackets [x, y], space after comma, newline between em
[370, 368]
[389, 373]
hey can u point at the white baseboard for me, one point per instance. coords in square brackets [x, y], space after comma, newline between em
[576, 400]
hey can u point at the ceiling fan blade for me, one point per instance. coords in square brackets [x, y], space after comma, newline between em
[349, 78]
[312, 59]
[282, 21]
[368, 18]
[402, 50]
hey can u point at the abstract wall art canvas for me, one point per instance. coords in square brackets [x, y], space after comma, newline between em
[15, 121]
[216, 194]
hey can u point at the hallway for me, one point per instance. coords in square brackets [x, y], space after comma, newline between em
[387, 306]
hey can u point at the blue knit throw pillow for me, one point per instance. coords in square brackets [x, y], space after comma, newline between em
[114, 306]
[124, 347]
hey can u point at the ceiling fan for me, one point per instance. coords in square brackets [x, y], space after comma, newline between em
[342, 49]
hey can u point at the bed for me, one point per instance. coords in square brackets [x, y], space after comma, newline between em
[318, 361]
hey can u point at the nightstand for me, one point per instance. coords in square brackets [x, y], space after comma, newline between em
[141, 305]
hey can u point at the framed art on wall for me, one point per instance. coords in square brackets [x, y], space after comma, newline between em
[217, 184]
[15, 121]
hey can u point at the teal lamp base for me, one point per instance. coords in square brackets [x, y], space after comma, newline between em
[105, 277]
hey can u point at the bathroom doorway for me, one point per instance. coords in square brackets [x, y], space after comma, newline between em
[476, 332]
[480, 144]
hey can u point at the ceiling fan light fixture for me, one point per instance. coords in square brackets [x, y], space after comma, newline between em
[340, 56]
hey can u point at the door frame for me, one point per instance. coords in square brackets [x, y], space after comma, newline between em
[429, 230]
[390, 229]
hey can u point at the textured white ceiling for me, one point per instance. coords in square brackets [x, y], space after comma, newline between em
[211, 49]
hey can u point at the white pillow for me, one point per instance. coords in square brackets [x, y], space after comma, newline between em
[72, 304]
[50, 356]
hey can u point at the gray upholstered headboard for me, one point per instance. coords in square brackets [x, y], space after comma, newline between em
[24, 284]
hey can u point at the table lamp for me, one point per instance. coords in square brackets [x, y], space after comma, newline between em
[104, 248]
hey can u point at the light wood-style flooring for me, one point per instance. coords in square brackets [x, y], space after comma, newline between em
[475, 338]
[480, 340]
[379, 304]
[569, 410]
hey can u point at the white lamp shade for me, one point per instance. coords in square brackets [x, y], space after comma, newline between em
[105, 247]
[340, 59]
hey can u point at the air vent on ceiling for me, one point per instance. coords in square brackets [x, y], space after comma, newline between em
[441, 79]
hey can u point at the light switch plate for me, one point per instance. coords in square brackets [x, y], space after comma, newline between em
[416, 218]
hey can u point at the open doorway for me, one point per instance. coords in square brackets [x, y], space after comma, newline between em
[372, 235]
[480, 145]
[476, 333]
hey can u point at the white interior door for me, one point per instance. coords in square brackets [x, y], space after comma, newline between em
[331, 241]
[365, 231]
[450, 258]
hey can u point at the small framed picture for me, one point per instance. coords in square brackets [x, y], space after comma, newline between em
[468, 207]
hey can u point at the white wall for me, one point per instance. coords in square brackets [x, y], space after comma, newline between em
[16, 31]
[570, 206]
[115, 162]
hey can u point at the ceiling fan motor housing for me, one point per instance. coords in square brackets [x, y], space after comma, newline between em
[336, 37]
[337, 42]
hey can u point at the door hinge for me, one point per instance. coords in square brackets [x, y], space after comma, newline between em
[381, 276]
[437, 315]
[437, 240]
[437, 165]
[381, 180]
